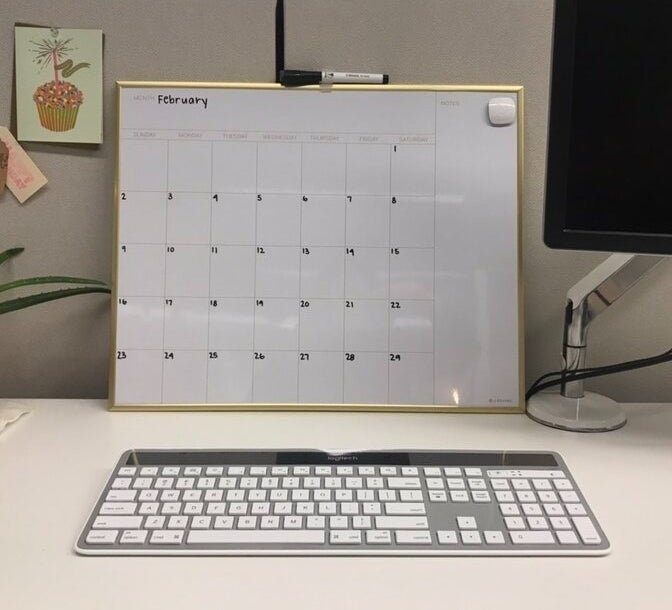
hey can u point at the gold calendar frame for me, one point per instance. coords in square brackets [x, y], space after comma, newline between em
[114, 405]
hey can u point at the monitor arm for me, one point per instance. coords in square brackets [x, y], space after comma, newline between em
[573, 409]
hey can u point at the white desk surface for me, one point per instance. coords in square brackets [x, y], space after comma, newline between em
[54, 462]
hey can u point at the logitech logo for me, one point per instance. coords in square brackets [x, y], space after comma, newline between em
[343, 458]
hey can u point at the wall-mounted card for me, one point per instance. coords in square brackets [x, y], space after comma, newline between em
[59, 84]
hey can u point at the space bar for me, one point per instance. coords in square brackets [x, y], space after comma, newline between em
[256, 537]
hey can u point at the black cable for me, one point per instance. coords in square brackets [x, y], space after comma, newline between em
[587, 373]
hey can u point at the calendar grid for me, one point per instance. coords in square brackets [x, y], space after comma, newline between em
[321, 246]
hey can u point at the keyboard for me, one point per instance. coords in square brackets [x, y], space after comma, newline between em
[309, 502]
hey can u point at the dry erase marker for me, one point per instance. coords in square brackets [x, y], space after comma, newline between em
[297, 78]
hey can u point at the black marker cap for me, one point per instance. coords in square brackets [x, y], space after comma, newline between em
[298, 78]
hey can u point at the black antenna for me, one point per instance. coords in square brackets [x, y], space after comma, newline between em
[279, 38]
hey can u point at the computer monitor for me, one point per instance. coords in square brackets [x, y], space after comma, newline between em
[608, 175]
[609, 168]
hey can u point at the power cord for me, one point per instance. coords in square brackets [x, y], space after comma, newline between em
[596, 371]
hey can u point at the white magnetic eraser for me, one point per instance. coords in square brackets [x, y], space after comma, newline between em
[502, 111]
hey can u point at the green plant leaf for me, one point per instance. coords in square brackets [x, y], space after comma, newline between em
[49, 279]
[44, 297]
[7, 254]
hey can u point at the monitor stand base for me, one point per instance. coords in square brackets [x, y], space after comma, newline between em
[591, 413]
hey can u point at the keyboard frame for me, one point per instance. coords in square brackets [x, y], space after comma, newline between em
[487, 460]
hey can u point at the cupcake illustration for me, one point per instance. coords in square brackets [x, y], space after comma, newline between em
[57, 101]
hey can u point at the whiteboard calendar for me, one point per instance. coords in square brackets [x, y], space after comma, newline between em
[343, 247]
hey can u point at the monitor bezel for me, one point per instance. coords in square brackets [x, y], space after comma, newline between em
[556, 234]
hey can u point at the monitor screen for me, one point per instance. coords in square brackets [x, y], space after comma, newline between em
[609, 169]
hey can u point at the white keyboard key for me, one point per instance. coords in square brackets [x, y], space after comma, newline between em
[410, 537]
[235, 471]
[280, 470]
[504, 496]
[547, 496]
[452, 472]
[256, 471]
[117, 508]
[473, 472]
[390, 495]
[177, 522]
[193, 508]
[353, 482]
[327, 508]
[213, 471]
[208, 483]
[371, 508]
[303, 495]
[520, 484]
[142, 483]
[171, 508]
[466, 523]
[361, 523]
[238, 495]
[560, 523]
[289, 482]
[340, 495]
[148, 495]
[455, 483]
[531, 510]
[224, 523]
[215, 495]
[201, 523]
[446, 536]
[476, 483]
[378, 537]
[170, 471]
[405, 508]
[292, 522]
[434, 483]
[406, 495]
[403, 483]
[262, 536]
[236, 508]
[278, 495]
[565, 537]
[576, 510]
[133, 537]
[166, 537]
[430, 471]
[344, 470]
[586, 530]
[459, 496]
[374, 483]
[541, 484]
[367, 471]
[164, 483]
[509, 509]
[149, 471]
[155, 522]
[333, 482]
[367, 495]
[192, 471]
[170, 495]
[312, 482]
[553, 510]
[270, 522]
[569, 496]
[319, 495]
[315, 522]
[301, 471]
[121, 495]
[129, 523]
[262, 508]
[323, 471]
[127, 471]
[437, 496]
[499, 484]
[304, 508]
[562, 484]
[248, 523]
[349, 508]
[537, 523]
[338, 523]
[228, 483]
[388, 471]
[412, 471]
[394, 523]
[102, 536]
[184, 483]
[345, 537]
[529, 537]
[470, 537]
[526, 496]
[121, 483]
[493, 537]
[481, 497]
[192, 495]
[514, 523]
